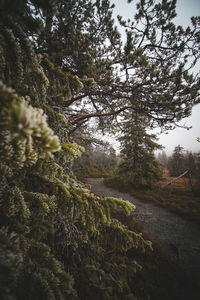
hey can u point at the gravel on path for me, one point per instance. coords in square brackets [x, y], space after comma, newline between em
[178, 237]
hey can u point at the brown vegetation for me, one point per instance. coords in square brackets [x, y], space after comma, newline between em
[181, 183]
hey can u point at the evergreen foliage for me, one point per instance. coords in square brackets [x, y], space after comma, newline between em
[52, 230]
[58, 240]
[139, 167]
[176, 162]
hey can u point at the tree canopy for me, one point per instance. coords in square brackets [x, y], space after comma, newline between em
[78, 43]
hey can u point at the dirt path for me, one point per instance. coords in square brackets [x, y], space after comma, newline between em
[178, 237]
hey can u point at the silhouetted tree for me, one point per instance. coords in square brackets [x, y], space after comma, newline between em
[176, 163]
[139, 166]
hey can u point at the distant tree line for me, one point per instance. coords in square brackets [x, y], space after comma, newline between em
[98, 160]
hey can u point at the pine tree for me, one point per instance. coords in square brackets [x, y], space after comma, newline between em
[139, 167]
[157, 60]
[58, 240]
[176, 163]
[151, 72]
[54, 232]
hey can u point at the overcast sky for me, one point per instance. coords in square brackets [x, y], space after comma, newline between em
[186, 138]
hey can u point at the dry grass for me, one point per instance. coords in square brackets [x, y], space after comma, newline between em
[180, 183]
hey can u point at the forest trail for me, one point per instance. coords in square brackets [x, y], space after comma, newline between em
[178, 237]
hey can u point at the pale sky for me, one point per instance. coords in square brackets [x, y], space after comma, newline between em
[186, 138]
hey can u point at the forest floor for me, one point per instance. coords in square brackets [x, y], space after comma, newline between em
[178, 237]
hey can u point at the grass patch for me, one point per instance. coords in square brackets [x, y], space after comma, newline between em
[184, 203]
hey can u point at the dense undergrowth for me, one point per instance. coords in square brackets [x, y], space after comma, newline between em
[57, 239]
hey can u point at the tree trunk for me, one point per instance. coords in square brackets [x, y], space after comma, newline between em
[173, 180]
